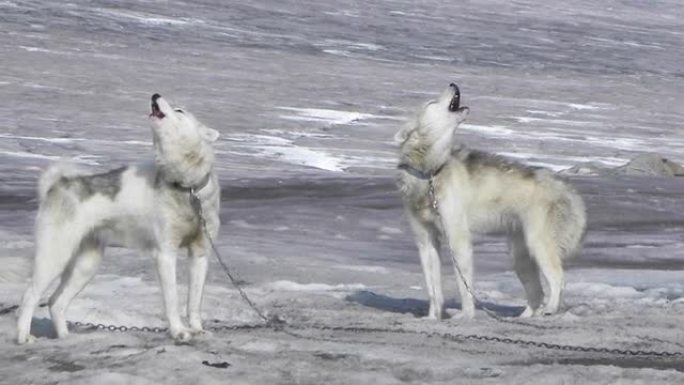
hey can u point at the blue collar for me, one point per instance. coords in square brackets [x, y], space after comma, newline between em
[420, 174]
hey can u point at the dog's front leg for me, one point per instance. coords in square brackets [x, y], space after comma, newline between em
[198, 275]
[166, 268]
[428, 246]
[457, 232]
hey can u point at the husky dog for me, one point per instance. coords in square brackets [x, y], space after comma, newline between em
[450, 192]
[154, 207]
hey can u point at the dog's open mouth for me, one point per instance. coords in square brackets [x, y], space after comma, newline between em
[156, 112]
[456, 100]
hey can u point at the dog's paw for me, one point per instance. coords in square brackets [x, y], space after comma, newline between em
[436, 314]
[196, 326]
[461, 316]
[545, 311]
[182, 335]
[201, 333]
[434, 317]
[527, 313]
[29, 339]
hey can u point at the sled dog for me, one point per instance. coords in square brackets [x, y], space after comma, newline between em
[150, 206]
[451, 192]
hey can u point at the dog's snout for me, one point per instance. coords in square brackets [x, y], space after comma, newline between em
[456, 100]
[155, 107]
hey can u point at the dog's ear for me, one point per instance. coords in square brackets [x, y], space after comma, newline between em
[463, 112]
[209, 134]
[402, 135]
[405, 132]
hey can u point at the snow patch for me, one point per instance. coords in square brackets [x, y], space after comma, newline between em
[72, 140]
[37, 49]
[491, 130]
[315, 287]
[303, 156]
[284, 150]
[559, 162]
[83, 159]
[330, 117]
[562, 122]
[390, 230]
[363, 268]
[147, 19]
[583, 106]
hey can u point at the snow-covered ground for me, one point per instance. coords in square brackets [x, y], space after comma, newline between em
[307, 96]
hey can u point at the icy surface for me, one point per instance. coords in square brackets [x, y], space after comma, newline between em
[307, 96]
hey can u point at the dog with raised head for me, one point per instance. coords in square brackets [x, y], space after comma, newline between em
[157, 207]
[451, 192]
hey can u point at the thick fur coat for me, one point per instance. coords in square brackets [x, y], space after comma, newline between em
[147, 206]
[543, 217]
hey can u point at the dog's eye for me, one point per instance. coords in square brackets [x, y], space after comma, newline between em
[179, 110]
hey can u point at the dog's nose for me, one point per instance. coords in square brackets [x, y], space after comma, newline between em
[155, 97]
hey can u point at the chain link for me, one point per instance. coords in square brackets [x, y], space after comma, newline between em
[503, 340]
[116, 328]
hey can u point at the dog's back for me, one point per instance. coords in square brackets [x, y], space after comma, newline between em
[504, 195]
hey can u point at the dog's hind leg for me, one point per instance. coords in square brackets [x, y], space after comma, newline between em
[528, 272]
[428, 246]
[548, 259]
[79, 272]
[54, 249]
[198, 275]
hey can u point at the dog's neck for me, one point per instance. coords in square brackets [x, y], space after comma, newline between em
[195, 187]
[420, 174]
[427, 173]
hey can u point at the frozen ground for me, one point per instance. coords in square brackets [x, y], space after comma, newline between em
[307, 96]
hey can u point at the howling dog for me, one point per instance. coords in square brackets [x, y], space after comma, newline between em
[450, 192]
[153, 206]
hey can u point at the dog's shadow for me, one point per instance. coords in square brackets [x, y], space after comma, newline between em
[43, 327]
[420, 307]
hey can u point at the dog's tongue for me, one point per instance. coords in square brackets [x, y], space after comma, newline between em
[456, 100]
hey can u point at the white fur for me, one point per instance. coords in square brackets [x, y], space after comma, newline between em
[543, 217]
[149, 212]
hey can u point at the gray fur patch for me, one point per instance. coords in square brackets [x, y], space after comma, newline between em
[475, 160]
[107, 184]
[151, 178]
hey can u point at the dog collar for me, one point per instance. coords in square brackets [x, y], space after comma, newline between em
[202, 184]
[420, 174]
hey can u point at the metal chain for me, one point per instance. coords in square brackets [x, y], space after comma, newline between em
[454, 337]
[503, 340]
[274, 321]
[116, 328]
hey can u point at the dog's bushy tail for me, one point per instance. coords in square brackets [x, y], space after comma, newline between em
[569, 219]
[53, 174]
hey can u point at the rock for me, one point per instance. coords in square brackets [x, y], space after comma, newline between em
[650, 164]
[642, 164]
